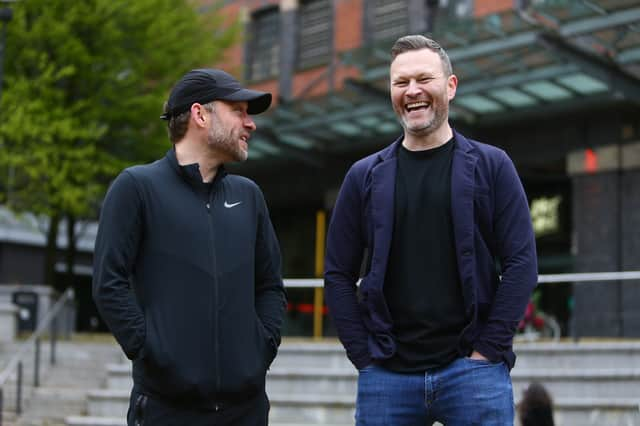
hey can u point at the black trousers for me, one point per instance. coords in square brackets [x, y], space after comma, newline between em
[147, 411]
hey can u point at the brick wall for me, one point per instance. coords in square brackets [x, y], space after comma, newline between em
[631, 251]
[606, 224]
[486, 7]
[595, 224]
[270, 86]
[233, 61]
[348, 25]
[348, 34]
[309, 83]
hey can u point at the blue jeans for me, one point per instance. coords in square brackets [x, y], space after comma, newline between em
[465, 392]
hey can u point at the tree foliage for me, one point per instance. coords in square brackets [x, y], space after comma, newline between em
[84, 84]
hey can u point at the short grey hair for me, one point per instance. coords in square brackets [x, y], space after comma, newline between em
[177, 126]
[419, 42]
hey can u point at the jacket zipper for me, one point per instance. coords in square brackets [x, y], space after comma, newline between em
[215, 295]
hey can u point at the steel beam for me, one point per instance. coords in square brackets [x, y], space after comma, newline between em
[527, 38]
[308, 157]
[623, 85]
[514, 80]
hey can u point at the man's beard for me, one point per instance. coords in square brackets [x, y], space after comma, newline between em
[225, 141]
[427, 127]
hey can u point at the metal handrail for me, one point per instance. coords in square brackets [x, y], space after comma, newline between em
[49, 322]
[544, 278]
[577, 278]
[589, 276]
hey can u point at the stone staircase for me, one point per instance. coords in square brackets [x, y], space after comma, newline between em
[298, 368]
[592, 383]
[7, 349]
[313, 384]
[10, 389]
[62, 390]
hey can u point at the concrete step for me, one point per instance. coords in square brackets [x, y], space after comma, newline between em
[116, 421]
[306, 424]
[306, 408]
[51, 405]
[588, 381]
[119, 376]
[577, 383]
[312, 354]
[284, 408]
[95, 421]
[8, 418]
[596, 411]
[596, 355]
[592, 355]
[10, 396]
[108, 402]
[604, 383]
[587, 354]
[567, 411]
[316, 409]
[292, 379]
[62, 391]
[618, 382]
[316, 381]
[35, 422]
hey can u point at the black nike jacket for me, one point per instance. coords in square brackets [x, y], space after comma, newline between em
[188, 278]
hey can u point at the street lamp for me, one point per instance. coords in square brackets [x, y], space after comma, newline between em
[5, 16]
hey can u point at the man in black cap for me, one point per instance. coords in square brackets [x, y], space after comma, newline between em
[187, 266]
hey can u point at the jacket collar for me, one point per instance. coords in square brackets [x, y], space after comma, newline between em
[462, 143]
[191, 172]
[391, 151]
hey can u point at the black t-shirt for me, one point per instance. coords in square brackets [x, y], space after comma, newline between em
[422, 286]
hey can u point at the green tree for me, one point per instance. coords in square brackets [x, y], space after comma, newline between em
[84, 86]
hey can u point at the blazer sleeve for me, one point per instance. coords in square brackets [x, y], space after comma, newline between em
[116, 248]
[517, 251]
[345, 247]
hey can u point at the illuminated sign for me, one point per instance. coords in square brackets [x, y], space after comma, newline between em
[545, 215]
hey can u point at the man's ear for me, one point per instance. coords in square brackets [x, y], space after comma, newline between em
[198, 115]
[452, 85]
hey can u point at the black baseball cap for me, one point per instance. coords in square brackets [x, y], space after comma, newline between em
[205, 85]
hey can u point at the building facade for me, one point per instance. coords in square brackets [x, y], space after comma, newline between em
[556, 83]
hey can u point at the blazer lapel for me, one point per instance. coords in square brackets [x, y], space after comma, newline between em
[462, 184]
[383, 179]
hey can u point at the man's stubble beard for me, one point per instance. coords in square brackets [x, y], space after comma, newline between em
[426, 128]
[223, 140]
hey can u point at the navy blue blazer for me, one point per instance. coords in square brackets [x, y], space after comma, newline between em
[494, 243]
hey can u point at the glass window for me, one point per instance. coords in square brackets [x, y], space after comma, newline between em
[314, 33]
[453, 9]
[390, 19]
[264, 46]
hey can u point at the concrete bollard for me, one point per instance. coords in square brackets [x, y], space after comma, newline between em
[8, 322]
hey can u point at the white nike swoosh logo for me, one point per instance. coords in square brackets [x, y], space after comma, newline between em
[227, 205]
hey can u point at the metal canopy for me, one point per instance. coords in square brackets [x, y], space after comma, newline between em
[515, 63]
